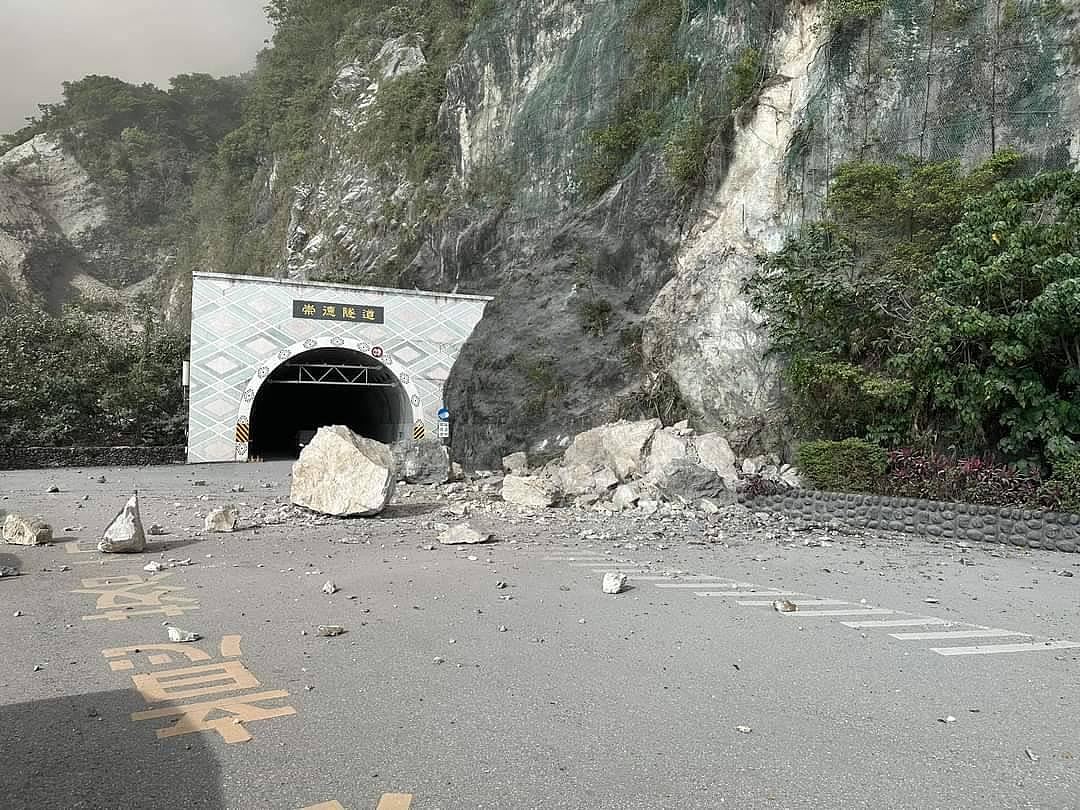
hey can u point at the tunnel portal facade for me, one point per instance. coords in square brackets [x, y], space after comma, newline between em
[272, 361]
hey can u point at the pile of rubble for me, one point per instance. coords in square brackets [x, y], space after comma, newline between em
[639, 465]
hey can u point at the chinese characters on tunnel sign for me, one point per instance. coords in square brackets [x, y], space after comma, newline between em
[351, 313]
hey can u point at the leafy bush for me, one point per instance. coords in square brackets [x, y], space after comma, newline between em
[851, 465]
[64, 383]
[1062, 491]
[915, 474]
[934, 308]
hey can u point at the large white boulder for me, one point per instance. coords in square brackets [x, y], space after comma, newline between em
[340, 473]
[667, 446]
[528, 491]
[26, 531]
[619, 446]
[125, 534]
[426, 462]
[516, 463]
[714, 452]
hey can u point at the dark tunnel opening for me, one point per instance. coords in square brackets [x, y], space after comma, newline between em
[325, 387]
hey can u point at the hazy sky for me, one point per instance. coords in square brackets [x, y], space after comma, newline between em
[46, 42]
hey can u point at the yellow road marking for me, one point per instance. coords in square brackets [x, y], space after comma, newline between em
[395, 801]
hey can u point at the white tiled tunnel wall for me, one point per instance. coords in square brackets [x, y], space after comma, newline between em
[243, 324]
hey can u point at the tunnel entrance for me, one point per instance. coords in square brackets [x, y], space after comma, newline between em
[329, 386]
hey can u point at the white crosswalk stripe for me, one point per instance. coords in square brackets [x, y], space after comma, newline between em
[801, 603]
[680, 578]
[746, 593]
[947, 634]
[846, 612]
[993, 649]
[700, 585]
[915, 622]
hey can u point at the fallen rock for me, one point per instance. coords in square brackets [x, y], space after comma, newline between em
[125, 534]
[425, 462]
[784, 606]
[687, 482]
[26, 531]
[8, 571]
[614, 582]
[619, 446]
[625, 496]
[579, 479]
[342, 474]
[516, 463]
[178, 636]
[714, 453]
[528, 491]
[222, 519]
[463, 534]
[53, 489]
[666, 447]
[329, 588]
[330, 630]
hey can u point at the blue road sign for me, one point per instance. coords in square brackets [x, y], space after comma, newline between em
[444, 415]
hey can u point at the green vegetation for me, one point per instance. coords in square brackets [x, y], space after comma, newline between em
[543, 386]
[934, 308]
[63, 383]
[839, 12]
[658, 78]
[595, 316]
[711, 123]
[846, 466]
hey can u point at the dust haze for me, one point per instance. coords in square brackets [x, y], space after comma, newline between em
[46, 42]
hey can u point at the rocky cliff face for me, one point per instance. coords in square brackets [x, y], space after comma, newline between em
[611, 304]
[59, 243]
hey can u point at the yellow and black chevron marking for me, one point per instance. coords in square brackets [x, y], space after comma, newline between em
[243, 433]
[419, 431]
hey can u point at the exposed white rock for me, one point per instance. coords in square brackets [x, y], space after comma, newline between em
[340, 473]
[125, 534]
[426, 462]
[26, 531]
[625, 496]
[614, 582]
[701, 326]
[619, 446]
[528, 491]
[463, 534]
[516, 463]
[715, 453]
[222, 519]
[666, 447]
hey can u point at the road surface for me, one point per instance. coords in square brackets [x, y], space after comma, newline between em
[913, 674]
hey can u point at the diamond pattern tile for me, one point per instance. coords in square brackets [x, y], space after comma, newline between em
[238, 322]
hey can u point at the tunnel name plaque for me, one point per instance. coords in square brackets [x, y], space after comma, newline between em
[350, 313]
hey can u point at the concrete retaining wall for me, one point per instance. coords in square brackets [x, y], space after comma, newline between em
[37, 458]
[1027, 528]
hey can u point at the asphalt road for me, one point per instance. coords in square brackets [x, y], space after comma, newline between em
[545, 693]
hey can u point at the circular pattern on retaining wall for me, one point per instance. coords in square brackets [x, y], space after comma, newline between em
[267, 367]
